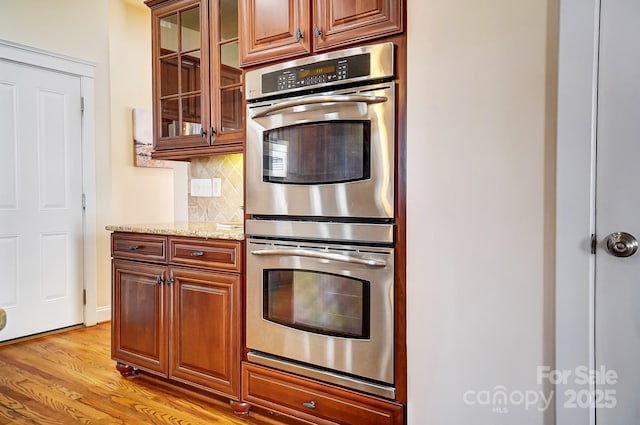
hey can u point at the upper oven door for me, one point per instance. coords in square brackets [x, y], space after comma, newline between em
[328, 154]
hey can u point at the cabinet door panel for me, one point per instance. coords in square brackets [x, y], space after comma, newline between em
[226, 77]
[271, 27]
[343, 22]
[180, 57]
[139, 328]
[206, 330]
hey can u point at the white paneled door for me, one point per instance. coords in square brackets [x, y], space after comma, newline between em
[41, 272]
[617, 290]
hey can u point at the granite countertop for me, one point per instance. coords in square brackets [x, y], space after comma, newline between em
[206, 230]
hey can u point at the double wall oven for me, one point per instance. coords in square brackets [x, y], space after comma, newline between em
[320, 155]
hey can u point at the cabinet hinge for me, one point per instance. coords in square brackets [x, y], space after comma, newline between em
[594, 243]
[82, 104]
[84, 297]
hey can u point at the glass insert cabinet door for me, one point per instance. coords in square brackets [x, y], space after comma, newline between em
[197, 77]
[227, 111]
[181, 75]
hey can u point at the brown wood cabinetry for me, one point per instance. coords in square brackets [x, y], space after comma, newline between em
[313, 402]
[197, 80]
[204, 347]
[279, 29]
[177, 309]
[139, 331]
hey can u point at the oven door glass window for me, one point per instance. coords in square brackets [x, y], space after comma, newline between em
[325, 152]
[321, 303]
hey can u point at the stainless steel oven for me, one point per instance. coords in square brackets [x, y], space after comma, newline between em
[320, 155]
[323, 307]
[320, 136]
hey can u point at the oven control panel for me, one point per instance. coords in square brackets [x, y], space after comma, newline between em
[361, 65]
[313, 74]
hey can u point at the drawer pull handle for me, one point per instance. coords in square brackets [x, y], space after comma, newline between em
[310, 404]
[197, 254]
[134, 248]
[159, 280]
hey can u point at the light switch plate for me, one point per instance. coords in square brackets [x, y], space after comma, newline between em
[202, 187]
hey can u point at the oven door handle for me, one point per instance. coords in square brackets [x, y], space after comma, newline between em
[300, 252]
[336, 98]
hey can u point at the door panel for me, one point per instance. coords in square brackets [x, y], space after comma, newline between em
[272, 27]
[8, 146]
[9, 267]
[205, 337]
[617, 290]
[345, 22]
[140, 303]
[40, 199]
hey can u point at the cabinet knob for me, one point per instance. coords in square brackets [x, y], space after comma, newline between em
[299, 35]
[159, 280]
[317, 32]
[134, 248]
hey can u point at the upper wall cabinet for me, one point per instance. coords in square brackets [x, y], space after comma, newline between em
[279, 29]
[197, 80]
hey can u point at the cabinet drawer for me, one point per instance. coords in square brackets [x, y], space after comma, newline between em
[139, 246]
[208, 253]
[315, 402]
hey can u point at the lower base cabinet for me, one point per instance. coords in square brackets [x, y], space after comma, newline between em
[313, 402]
[178, 314]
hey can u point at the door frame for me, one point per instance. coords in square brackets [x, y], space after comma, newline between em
[575, 196]
[86, 72]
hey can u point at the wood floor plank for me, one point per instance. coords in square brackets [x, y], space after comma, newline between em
[69, 378]
[39, 415]
[57, 398]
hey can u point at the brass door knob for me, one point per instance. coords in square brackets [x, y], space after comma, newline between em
[3, 318]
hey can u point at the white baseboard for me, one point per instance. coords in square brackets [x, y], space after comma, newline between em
[103, 313]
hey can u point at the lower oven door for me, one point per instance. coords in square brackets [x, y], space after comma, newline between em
[322, 305]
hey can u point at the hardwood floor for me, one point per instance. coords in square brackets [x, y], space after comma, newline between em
[69, 378]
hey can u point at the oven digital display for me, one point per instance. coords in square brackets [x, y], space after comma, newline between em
[323, 70]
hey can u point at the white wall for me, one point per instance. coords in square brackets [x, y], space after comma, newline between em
[481, 79]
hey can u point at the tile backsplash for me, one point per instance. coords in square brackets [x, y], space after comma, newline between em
[227, 207]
